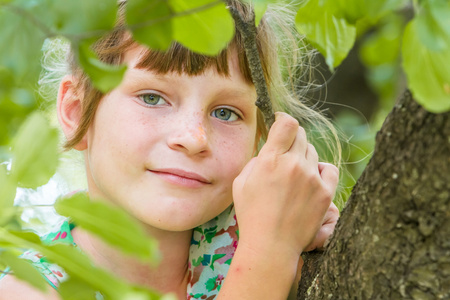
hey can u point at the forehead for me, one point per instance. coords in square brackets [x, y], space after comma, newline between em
[138, 58]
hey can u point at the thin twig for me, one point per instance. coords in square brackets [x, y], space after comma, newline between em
[247, 29]
[35, 21]
[6, 272]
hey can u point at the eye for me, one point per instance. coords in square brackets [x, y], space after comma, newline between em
[152, 99]
[225, 114]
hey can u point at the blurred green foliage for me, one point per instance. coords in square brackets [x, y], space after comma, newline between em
[420, 46]
[332, 35]
[330, 26]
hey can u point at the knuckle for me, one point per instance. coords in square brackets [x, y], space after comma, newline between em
[327, 195]
[313, 179]
[269, 161]
[335, 169]
[333, 209]
[289, 123]
[295, 170]
[312, 150]
[301, 130]
[333, 172]
[335, 175]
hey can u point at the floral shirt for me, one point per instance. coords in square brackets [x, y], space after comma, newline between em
[212, 247]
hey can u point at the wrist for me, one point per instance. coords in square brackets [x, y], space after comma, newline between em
[257, 272]
[260, 246]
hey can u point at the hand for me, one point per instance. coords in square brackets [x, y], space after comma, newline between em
[326, 230]
[282, 195]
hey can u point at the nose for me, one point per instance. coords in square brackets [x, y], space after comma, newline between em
[189, 136]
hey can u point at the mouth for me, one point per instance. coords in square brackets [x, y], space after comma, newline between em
[181, 177]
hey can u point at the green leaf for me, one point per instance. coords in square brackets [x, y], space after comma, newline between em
[433, 24]
[75, 289]
[77, 265]
[105, 77]
[204, 26]
[80, 17]
[8, 218]
[331, 35]
[428, 78]
[150, 22]
[259, 7]
[18, 239]
[21, 44]
[35, 152]
[111, 224]
[355, 10]
[7, 190]
[169, 296]
[383, 46]
[378, 9]
[73, 261]
[23, 270]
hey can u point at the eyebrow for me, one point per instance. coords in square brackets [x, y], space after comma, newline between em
[233, 93]
[135, 77]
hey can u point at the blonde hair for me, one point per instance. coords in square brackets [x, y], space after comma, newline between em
[285, 58]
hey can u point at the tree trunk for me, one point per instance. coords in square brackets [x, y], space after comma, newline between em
[393, 238]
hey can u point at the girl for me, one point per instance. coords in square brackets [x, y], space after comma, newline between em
[176, 146]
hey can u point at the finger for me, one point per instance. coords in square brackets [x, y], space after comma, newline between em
[332, 214]
[281, 135]
[240, 180]
[321, 237]
[312, 156]
[328, 224]
[300, 145]
[330, 175]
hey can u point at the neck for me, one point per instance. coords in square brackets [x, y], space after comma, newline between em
[169, 276]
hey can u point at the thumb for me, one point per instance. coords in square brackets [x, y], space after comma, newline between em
[240, 180]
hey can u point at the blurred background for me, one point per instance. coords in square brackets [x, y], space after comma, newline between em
[357, 97]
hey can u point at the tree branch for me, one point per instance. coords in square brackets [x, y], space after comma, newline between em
[311, 264]
[391, 240]
[247, 29]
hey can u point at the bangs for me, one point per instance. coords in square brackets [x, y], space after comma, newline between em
[179, 59]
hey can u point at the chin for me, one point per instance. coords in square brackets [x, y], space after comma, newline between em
[174, 221]
[177, 213]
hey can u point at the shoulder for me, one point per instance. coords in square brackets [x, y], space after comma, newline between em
[12, 288]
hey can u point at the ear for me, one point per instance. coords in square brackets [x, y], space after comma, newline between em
[69, 110]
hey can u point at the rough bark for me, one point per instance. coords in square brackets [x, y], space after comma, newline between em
[247, 29]
[393, 238]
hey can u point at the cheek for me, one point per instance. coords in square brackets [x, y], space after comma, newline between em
[236, 153]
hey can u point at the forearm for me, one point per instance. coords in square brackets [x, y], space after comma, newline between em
[267, 274]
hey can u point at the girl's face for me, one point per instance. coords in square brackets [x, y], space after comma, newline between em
[167, 148]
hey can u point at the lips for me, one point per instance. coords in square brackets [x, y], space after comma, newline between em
[181, 177]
